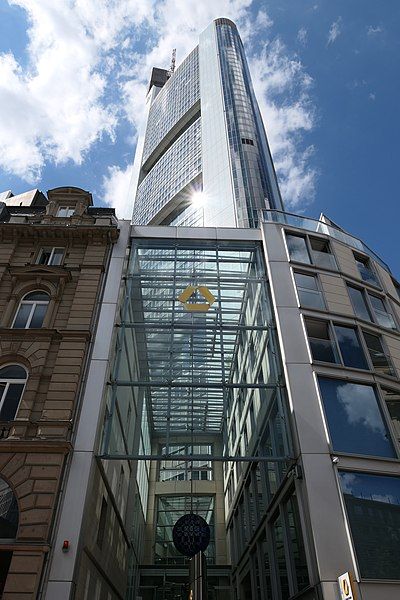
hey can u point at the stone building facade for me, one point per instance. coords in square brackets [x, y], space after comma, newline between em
[53, 257]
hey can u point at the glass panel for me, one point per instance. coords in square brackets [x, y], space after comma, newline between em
[57, 257]
[11, 401]
[13, 372]
[322, 347]
[169, 510]
[311, 299]
[350, 348]
[297, 544]
[38, 296]
[392, 399]
[358, 302]
[384, 318]
[38, 316]
[266, 567]
[354, 419]
[309, 294]
[366, 272]
[374, 500]
[307, 282]
[8, 511]
[22, 316]
[44, 256]
[321, 254]
[65, 211]
[324, 260]
[378, 357]
[281, 558]
[297, 248]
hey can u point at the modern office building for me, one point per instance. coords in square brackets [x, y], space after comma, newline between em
[246, 371]
[271, 411]
[205, 134]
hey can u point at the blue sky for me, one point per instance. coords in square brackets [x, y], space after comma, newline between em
[73, 75]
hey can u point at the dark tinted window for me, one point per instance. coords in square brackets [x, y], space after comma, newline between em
[281, 558]
[12, 382]
[8, 511]
[350, 348]
[296, 541]
[379, 359]
[392, 399]
[373, 509]
[322, 347]
[354, 419]
[358, 302]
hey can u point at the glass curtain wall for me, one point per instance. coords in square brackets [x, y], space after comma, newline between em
[197, 358]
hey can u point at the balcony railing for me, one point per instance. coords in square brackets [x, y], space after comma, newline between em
[315, 226]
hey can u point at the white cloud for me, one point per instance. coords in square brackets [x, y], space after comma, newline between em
[360, 406]
[282, 88]
[54, 109]
[374, 30]
[334, 31]
[118, 190]
[57, 107]
[302, 36]
[372, 96]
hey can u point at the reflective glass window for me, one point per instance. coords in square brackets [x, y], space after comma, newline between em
[12, 383]
[365, 269]
[169, 510]
[183, 470]
[382, 316]
[322, 347]
[31, 311]
[373, 510]
[321, 253]
[359, 304]
[296, 543]
[281, 558]
[392, 400]
[380, 361]
[354, 419]
[350, 347]
[309, 294]
[297, 247]
[65, 211]
[50, 256]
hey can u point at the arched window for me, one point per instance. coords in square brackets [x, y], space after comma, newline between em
[8, 511]
[32, 310]
[12, 383]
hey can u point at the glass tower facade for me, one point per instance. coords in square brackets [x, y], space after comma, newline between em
[205, 134]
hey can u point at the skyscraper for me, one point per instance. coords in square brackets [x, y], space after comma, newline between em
[249, 375]
[205, 134]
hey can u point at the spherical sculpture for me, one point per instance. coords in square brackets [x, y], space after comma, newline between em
[191, 534]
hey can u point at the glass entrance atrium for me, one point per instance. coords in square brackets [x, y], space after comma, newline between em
[196, 405]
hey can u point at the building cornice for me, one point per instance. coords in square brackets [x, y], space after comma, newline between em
[36, 445]
[54, 229]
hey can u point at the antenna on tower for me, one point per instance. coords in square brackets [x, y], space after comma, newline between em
[173, 60]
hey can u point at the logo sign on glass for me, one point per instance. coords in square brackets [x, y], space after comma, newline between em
[191, 534]
[346, 587]
[189, 298]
